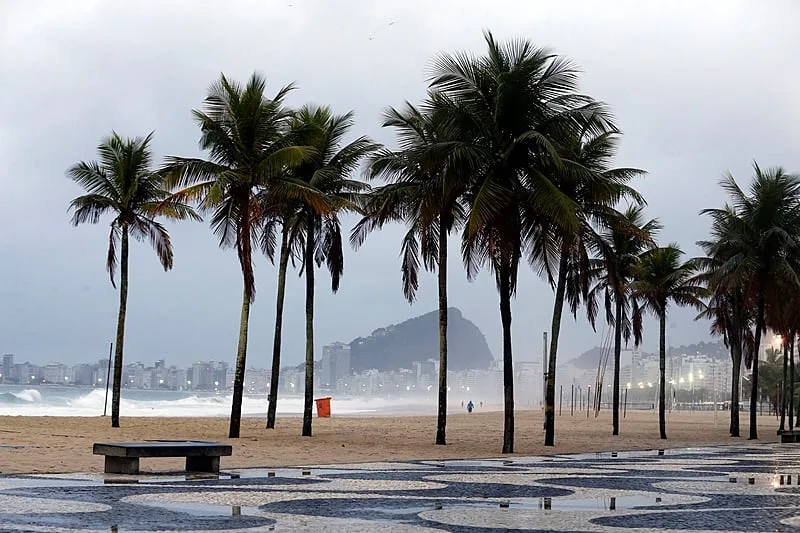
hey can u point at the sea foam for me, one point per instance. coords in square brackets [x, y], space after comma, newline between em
[73, 401]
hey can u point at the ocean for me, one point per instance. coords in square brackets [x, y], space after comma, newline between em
[20, 400]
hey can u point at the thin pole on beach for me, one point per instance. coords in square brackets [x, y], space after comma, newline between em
[588, 394]
[560, 398]
[108, 376]
[572, 402]
[625, 405]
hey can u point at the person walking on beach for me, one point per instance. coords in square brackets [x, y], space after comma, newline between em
[470, 406]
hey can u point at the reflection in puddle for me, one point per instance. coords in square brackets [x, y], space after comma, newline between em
[610, 503]
[395, 511]
[166, 478]
[204, 509]
[778, 480]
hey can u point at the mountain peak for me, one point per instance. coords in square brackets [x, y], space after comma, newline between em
[417, 339]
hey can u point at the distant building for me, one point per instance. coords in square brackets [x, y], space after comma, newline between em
[8, 365]
[425, 373]
[55, 373]
[528, 382]
[82, 374]
[334, 366]
[202, 376]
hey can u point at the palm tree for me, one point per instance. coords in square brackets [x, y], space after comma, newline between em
[661, 279]
[424, 193]
[289, 248]
[594, 188]
[730, 308]
[626, 241]
[781, 318]
[122, 183]
[327, 171]
[505, 107]
[245, 135]
[731, 318]
[761, 247]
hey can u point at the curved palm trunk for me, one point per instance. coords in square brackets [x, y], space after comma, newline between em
[508, 362]
[550, 392]
[617, 356]
[309, 387]
[736, 356]
[241, 359]
[276, 343]
[123, 309]
[784, 387]
[754, 378]
[662, 372]
[441, 422]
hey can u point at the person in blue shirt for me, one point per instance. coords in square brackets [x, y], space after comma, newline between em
[470, 406]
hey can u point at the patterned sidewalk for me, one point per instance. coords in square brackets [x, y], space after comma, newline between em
[730, 488]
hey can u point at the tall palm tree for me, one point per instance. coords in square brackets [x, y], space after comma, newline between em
[662, 279]
[594, 188]
[244, 133]
[762, 246]
[626, 241]
[506, 105]
[289, 248]
[425, 193]
[121, 183]
[730, 307]
[327, 171]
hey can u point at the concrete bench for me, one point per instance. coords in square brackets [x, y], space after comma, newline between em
[790, 435]
[123, 457]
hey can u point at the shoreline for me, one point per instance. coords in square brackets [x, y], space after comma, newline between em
[64, 445]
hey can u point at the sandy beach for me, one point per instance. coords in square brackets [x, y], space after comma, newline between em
[62, 444]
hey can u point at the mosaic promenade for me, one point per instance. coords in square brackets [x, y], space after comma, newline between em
[730, 488]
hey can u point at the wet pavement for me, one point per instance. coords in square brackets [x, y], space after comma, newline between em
[729, 488]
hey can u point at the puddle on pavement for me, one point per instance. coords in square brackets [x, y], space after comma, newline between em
[777, 480]
[610, 503]
[205, 509]
[395, 511]
[165, 478]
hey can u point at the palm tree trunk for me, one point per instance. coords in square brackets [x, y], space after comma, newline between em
[309, 266]
[555, 328]
[662, 372]
[791, 381]
[238, 377]
[754, 377]
[274, 380]
[736, 356]
[508, 362]
[617, 356]
[123, 309]
[441, 421]
[784, 387]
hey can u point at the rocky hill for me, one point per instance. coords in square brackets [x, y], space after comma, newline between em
[417, 339]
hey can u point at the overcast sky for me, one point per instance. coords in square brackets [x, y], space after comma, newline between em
[698, 88]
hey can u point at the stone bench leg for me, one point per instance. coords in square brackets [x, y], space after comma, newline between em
[122, 465]
[202, 464]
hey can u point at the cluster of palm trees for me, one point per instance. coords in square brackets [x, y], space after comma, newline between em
[752, 272]
[503, 151]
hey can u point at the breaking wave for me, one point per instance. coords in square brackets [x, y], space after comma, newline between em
[73, 401]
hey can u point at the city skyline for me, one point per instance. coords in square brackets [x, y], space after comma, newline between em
[639, 371]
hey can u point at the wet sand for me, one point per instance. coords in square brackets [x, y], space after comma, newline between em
[61, 444]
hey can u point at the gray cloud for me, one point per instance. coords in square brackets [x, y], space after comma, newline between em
[698, 88]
